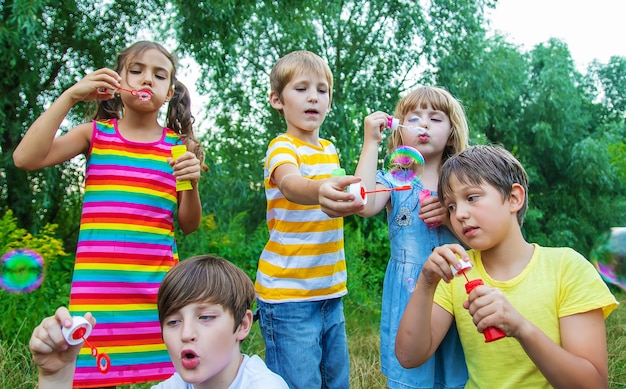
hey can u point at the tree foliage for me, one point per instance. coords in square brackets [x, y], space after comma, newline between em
[46, 47]
[567, 128]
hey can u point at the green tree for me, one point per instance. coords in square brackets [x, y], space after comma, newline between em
[46, 47]
[376, 50]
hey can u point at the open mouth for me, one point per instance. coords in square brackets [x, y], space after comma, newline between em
[189, 359]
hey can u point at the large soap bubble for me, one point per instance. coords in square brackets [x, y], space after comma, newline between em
[21, 271]
[609, 256]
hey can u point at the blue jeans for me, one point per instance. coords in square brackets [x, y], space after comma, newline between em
[306, 343]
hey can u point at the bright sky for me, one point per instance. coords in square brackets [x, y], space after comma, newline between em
[592, 29]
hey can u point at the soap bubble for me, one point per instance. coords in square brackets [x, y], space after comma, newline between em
[404, 164]
[21, 271]
[609, 256]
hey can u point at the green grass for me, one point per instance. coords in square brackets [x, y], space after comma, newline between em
[17, 370]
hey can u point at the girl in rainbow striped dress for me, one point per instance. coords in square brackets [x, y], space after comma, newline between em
[126, 242]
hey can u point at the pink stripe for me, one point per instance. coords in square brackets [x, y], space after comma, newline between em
[135, 371]
[134, 328]
[112, 170]
[86, 248]
[123, 288]
[117, 204]
[107, 244]
[138, 285]
[146, 213]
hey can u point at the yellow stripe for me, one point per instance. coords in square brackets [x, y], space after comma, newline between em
[301, 273]
[125, 227]
[124, 349]
[121, 267]
[297, 250]
[305, 227]
[132, 189]
[105, 151]
[111, 307]
[284, 294]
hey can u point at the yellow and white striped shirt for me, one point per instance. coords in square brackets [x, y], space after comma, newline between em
[304, 257]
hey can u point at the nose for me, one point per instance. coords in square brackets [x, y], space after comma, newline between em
[188, 333]
[312, 95]
[147, 79]
[461, 212]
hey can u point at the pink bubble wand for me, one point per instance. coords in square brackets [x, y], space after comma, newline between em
[142, 95]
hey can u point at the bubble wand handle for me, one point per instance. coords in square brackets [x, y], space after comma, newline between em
[177, 152]
[490, 333]
[403, 187]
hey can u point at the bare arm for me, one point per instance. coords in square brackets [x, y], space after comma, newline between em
[294, 187]
[187, 167]
[581, 362]
[40, 147]
[374, 125]
[424, 323]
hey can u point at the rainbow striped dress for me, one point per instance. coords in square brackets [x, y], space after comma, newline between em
[125, 247]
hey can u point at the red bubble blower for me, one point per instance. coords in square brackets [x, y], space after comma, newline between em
[359, 192]
[490, 333]
[79, 332]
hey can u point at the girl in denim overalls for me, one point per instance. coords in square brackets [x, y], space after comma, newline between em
[433, 122]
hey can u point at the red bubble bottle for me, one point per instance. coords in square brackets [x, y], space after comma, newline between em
[490, 333]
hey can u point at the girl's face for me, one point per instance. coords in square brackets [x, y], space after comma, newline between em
[150, 70]
[433, 141]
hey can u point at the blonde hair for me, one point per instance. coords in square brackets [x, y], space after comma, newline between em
[440, 100]
[295, 63]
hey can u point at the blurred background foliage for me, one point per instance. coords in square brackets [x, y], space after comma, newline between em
[566, 126]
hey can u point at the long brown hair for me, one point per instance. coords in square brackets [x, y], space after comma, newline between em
[179, 117]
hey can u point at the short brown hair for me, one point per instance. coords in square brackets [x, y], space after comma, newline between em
[297, 62]
[485, 164]
[207, 279]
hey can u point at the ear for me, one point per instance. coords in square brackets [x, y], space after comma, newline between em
[275, 101]
[516, 199]
[244, 328]
[170, 94]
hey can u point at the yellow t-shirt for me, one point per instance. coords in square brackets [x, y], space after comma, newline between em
[557, 282]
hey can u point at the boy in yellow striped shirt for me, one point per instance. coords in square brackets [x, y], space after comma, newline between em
[301, 276]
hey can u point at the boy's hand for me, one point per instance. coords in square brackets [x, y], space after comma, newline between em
[335, 201]
[431, 211]
[52, 354]
[437, 266]
[490, 308]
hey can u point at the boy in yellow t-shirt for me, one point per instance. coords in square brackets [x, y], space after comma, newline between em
[550, 302]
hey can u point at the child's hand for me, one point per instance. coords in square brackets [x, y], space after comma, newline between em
[490, 308]
[186, 167]
[50, 350]
[374, 125]
[98, 85]
[437, 266]
[432, 212]
[335, 201]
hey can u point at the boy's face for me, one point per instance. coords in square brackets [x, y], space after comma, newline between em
[202, 344]
[479, 215]
[305, 103]
[438, 129]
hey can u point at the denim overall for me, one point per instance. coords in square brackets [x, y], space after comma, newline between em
[411, 244]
